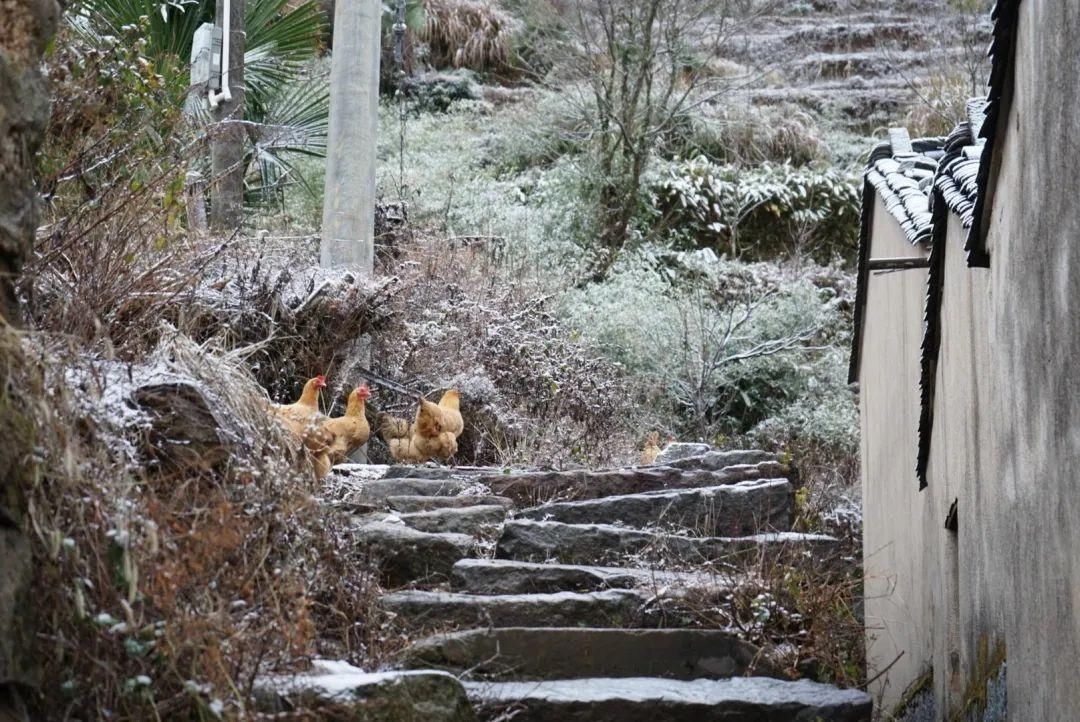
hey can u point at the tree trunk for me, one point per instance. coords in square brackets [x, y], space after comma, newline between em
[227, 148]
[349, 203]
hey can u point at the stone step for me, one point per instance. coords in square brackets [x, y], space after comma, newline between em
[471, 520]
[649, 699]
[570, 653]
[507, 576]
[347, 692]
[536, 487]
[540, 541]
[730, 510]
[431, 471]
[868, 64]
[407, 555]
[412, 504]
[433, 610]
[702, 456]
[377, 491]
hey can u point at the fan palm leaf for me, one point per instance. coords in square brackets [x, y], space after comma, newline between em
[279, 40]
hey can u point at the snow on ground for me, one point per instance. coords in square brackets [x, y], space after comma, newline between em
[335, 679]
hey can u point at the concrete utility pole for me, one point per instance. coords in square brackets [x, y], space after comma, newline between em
[227, 147]
[348, 227]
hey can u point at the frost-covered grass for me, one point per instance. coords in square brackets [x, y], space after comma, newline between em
[455, 188]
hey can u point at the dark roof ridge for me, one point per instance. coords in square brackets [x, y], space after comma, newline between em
[1006, 14]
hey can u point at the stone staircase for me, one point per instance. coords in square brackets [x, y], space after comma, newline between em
[577, 608]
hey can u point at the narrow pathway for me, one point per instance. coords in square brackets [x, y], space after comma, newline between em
[580, 608]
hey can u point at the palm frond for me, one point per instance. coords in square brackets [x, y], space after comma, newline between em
[296, 123]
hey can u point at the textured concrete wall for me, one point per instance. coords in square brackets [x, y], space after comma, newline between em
[961, 432]
[897, 618]
[1006, 442]
[1031, 552]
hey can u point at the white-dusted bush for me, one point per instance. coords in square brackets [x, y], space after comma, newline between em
[725, 345]
[774, 209]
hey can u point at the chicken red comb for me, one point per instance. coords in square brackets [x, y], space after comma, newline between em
[320, 380]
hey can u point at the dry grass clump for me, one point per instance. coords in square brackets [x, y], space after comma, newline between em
[805, 614]
[168, 581]
[745, 134]
[530, 392]
[941, 104]
[103, 276]
[294, 319]
[474, 34]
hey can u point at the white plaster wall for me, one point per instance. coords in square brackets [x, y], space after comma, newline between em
[957, 458]
[898, 617]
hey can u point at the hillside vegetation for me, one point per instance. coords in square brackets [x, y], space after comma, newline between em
[594, 238]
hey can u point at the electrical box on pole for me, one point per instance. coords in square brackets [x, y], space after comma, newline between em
[205, 69]
[215, 58]
[206, 56]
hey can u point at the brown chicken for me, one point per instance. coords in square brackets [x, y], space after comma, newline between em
[350, 430]
[450, 403]
[318, 442]
[298, 416]
[431, 437]
[651, 450]
[302, 418]
[398, 435]
[425, 438]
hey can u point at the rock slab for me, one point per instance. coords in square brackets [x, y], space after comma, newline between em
[537, 487]
[411, 504]
[680, 450]
[645, 699]
[538, 541]
[568, 653]
[612, 608]
[405, 555]
[377, 491]
[729, 510]
[507, 576]
[717, 460]
[472, 520]
[337, 690]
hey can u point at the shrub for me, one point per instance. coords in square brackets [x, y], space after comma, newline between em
[436, 92]
[540, 45]
[942, 104]
[823, 416]
[532, 222]
[725, 345]
[772, 210]
[524, 145]
[533, 394]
